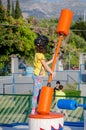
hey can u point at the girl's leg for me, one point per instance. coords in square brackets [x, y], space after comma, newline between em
[37, 86]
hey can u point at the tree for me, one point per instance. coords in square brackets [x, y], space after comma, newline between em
[13, 10]
[79, 28]
[17, 39]
[8, 7]
[0, 2]
[18, 12]
[2, 12]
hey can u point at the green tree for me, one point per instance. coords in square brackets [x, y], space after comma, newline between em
[76, 41]
[13, 10]
[8, 7]
[2, 12]
[74, 46]
[79, 28]
[17, 39]
[0, 2]
[18, 12]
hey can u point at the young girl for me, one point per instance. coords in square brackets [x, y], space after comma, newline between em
[40, 68]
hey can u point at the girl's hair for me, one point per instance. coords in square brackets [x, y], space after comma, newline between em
[60, 87]
[41, 43]
[57, 82]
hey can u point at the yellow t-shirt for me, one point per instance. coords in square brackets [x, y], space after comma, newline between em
[58, 94]
[38, 68]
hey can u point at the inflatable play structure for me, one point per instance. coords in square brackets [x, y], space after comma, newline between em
[44, 120]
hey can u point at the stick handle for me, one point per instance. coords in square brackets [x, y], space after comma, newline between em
[55, 58]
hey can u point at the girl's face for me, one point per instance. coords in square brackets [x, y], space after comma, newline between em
[57, 85]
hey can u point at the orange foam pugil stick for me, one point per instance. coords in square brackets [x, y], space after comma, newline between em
[55, 57]
[46, 94]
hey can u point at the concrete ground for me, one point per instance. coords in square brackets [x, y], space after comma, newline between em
[26, 127]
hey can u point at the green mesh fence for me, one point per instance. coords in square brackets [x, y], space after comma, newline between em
[16, 108]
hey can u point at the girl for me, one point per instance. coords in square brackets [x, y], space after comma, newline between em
[40, 68]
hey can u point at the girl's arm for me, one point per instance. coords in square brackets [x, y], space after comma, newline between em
[50, 61]
[46, 66]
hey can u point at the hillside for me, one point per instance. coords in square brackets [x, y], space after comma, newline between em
[52, 9]
[46, 9]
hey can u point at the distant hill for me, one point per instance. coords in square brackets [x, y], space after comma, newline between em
[46, 9]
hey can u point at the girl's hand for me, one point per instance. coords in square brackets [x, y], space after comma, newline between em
[52, 74]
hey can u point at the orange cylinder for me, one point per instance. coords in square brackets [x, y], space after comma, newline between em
[45, 100]
[64, 21]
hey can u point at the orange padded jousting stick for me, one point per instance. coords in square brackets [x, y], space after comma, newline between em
[46, 95]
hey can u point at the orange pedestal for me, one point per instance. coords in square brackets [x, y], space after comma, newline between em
[46, 122]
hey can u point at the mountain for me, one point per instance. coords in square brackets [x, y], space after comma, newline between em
[51, 8]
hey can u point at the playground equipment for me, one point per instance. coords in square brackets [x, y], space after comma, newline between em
[44, 119]
[71, 105]
[62, 29]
